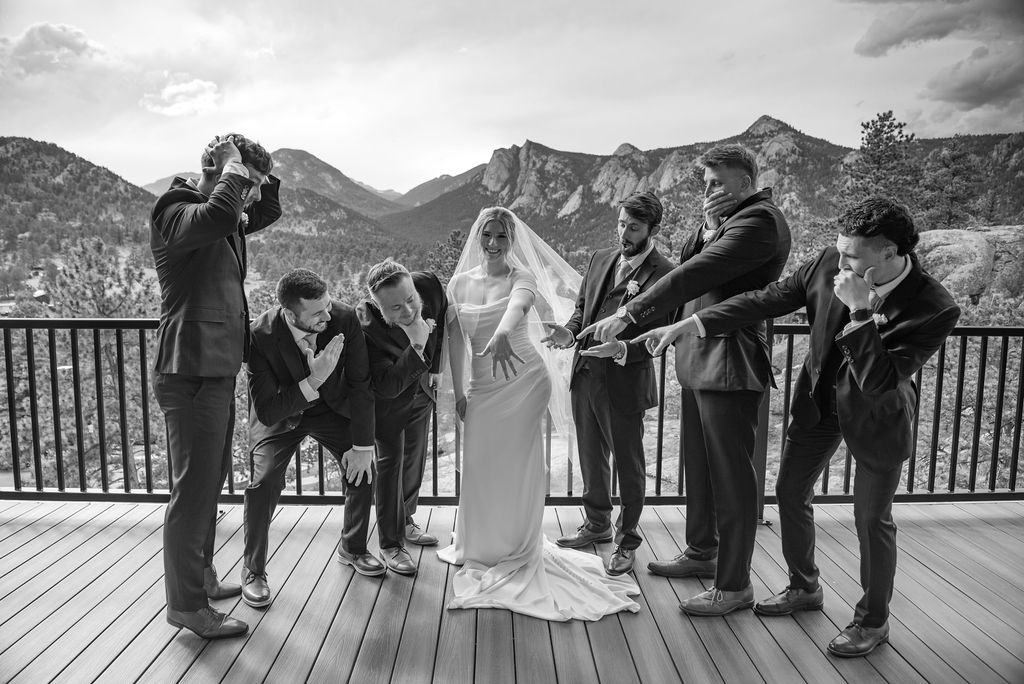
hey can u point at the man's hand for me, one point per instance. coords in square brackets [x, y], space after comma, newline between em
[852, 289]
[322, 365]
[659, 339]
[501, 352]
[356, 464]
[219, 152]
[434, 381]
[604, 330]
[605, 350]
[717, 203]
[558, 337]
[418, 332]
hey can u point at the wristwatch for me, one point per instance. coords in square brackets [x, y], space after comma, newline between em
[860, 315]
[619, 354]
[623, 315]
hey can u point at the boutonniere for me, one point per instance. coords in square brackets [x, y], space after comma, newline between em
[244, 220]
[632, 288]
[879, 319]
[431, 324]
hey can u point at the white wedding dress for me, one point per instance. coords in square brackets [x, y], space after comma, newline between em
[507, 562]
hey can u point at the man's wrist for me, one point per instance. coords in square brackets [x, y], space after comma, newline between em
[235, 167]
[362, 448]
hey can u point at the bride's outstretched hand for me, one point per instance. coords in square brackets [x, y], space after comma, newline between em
[501, 352]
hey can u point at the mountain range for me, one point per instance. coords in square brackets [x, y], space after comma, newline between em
[342, 225]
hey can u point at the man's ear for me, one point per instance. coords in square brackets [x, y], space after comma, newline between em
[655, 228]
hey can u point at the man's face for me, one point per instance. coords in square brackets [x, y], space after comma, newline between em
[399, 304]
[634, 234]
[733, 181]
[311, 315]
[858, 253]
[259, 179]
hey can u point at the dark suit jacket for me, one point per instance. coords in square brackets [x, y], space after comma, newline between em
[633, 387]
[276, 365]
[397, 370]
[749, 251]
[199, 248]
[875, 390]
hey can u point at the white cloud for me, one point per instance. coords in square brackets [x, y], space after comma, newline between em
[182, 96]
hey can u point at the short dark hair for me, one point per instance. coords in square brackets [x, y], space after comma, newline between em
[644, 206]
[731, 156]
[385, 274]
[253, 154]
[299, 283]
[881, 217]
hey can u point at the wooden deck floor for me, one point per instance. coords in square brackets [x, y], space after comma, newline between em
[82, 599]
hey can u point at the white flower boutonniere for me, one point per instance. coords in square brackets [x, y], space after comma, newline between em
[879, 319]
[244, 220]
[431, 324]
[632, 288]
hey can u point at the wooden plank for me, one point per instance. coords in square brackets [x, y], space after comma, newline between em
[140, 621]
[417, 651]
[38, 577]
[302, 645]
[59, 639]
[255, 653]
[33, 518]
[455, 660]
[10, 507]
[32, 540]
[570, 643]
[999, 549]
[921, 606]
[159, 641]
[19, 513]
[495, 651]
[179, 658]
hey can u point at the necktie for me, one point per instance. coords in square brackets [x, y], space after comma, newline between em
[623, 271]
[874, 301]
[309, 341]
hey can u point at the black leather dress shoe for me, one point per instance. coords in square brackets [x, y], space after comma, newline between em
[857, 640]
[414, 534]
[621, 561]
[398, 560]
[583, 536]
[715, 602]
[255, 590]
[207, 623]
[363, 563]
[684, 566]
[790, 601]
[215, 589]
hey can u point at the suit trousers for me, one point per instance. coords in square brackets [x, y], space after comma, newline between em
[401, 455]
[601, 429]
[199, 414]
[271, 458]
[808, 451]
[719, 430]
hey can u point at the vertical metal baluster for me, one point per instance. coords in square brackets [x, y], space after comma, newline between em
[127, 458]
[912, 466]
[12, 409]
[997, 429]
[547, 453]
[298, 468]
[1017, 416]
[76, 378]
[660, 450]
[786, 392]
[954, 451]
[940, 371]
[37, 455]
[434, 465]
[979, 407]
[101, 420]
[58, 443]
[320, 469]
[144, 379]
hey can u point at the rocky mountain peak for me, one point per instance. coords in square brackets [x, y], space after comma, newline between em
[768, 126]
[625, 149]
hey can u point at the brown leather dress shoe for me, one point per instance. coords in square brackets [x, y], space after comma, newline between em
[255, 590]
[414, 534]
[215, 589]
[857, 640]
[789, 601]
[207, 623]
[684, 566]
[363, 563]
[714, 602]
[621, 561]
[584, 536]
[398, 560]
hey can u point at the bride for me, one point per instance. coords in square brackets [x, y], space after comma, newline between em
[504, 276]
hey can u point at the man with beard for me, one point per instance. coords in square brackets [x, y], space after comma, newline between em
[403, 322]
[308, 377]
[613, 383]
[742, 245]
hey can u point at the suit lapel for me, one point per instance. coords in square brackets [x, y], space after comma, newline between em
[289, 350]
[602, 283]
[896, 301]
[642, 275]
[692, 245]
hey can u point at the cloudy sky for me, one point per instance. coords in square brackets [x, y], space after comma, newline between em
[397, 92]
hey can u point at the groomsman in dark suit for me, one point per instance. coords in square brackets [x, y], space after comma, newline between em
[613, 383]
[197, 235]
[403, 321]
[309, 376]
[876, 317]
[742, 245]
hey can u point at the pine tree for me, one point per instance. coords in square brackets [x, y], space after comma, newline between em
[885, 164]
[950, 182]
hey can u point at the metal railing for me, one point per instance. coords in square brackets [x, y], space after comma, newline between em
[77, 422]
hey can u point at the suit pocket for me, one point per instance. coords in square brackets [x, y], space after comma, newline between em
[205, 313]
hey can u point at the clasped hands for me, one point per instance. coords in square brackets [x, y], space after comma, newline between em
[219, 153]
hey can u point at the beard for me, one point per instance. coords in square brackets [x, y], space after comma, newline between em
[632, 249]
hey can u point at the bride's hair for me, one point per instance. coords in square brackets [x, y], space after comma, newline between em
[499, 214]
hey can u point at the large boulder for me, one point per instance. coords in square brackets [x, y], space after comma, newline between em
[975, 261]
